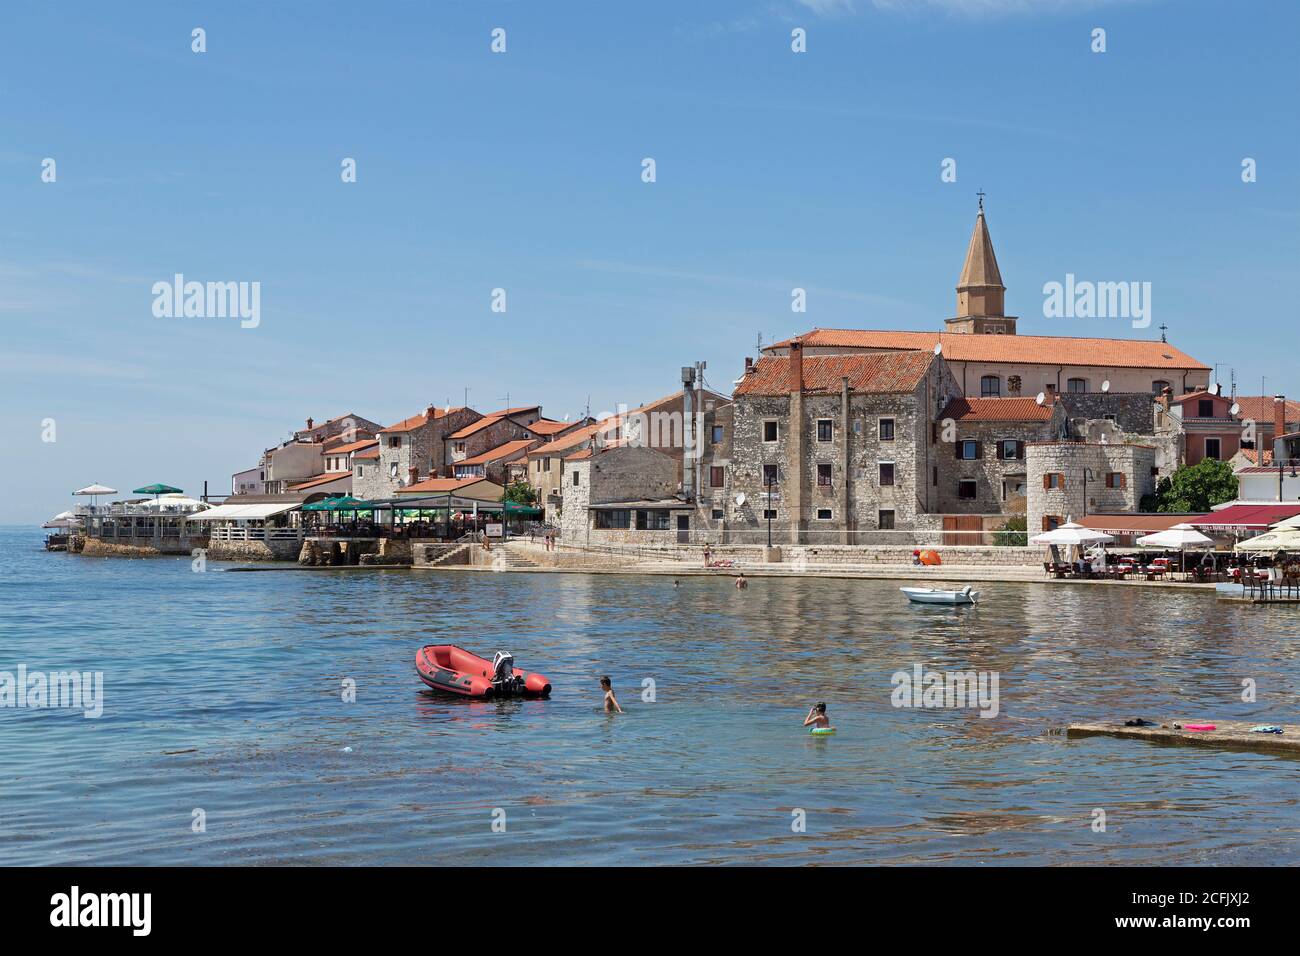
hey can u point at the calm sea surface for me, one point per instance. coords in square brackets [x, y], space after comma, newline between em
[223, 692]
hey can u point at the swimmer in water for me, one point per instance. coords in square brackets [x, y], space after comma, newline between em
[817, 718]
[611, 702]
[741, 583]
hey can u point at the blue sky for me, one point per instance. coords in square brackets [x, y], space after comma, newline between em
[523, 171]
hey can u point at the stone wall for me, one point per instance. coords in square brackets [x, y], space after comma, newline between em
[1069, 460]
[286, 550]
[1134, 412]
[854, 496]
[990, 470]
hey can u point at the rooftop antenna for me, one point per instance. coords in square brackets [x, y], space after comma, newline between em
[1163, 328]
[467, 396]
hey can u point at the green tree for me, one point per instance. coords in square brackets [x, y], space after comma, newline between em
[1013, 533]
[521, 493]
[1193, 488]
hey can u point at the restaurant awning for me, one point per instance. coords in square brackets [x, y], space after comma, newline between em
[671, 504]
[1245, 517]
[1135, 523]
[244, 512]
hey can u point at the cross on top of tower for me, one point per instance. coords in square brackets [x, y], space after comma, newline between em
[981, 195]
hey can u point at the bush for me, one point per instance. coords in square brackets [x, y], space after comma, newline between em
[1013, 533]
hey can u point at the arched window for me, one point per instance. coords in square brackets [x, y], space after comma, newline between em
[990, 386]
[1158, 386]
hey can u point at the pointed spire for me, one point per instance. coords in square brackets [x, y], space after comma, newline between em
[981, 268]
[980, 292]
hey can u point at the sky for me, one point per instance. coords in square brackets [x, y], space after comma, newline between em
[523, 171]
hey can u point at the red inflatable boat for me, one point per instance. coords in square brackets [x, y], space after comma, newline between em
[455, 670]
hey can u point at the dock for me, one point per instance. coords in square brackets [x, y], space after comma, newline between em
[1229, 734]
[1262, 593]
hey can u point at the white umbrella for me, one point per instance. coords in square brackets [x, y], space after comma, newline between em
[1071, 533]
[64, 516]
[94, 491]
[65, 523]
[175, 501]
[1178, 538]
[1279, 539]
[1293, 522]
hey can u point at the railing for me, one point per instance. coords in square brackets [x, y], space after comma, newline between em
[256, 534]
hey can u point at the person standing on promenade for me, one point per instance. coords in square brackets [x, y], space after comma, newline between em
[707, 554]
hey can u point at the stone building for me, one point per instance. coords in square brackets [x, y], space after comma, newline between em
[495, 462]
[985, 473]
[348, 428]
[545, 467]
[1068, 480]
[844, 444]
[988, 357]
[622, 495]
[487, 432]
[409, 450]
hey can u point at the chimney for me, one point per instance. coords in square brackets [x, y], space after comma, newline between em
[1166, 397]
[749, 364]
[412, 475]
[430, 413]
[309, 424]
[796, 366]
[1279, 428]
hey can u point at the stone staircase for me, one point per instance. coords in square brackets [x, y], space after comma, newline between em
[507, 557]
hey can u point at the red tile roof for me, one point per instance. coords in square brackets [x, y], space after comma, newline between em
[1259, 408]
[579, 455]
[997, 410]
[494, 454]
[368, 454]
[1252, 456]
[1032, 349]
[324, 479]
[441, 485]
[544, 426]
[876, 372]
[565, 442]
[416, 421]
[354, 446]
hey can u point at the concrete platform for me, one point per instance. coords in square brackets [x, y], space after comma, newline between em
[1230, 734]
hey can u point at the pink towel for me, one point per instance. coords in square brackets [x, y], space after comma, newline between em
[1198, 726]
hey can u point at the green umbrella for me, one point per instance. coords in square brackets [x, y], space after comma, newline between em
[157, 490]
[345, 503]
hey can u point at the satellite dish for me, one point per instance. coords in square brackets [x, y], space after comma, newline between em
[740, 500]
[1105, 386]
[446, 409]
[1235, 409]
[1041, 398]
[938, 348]
[1218, 389]
[738, 380]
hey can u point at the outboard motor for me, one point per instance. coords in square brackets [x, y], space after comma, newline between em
[503, 673]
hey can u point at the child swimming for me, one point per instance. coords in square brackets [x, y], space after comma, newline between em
[817, 718]
[611, 702]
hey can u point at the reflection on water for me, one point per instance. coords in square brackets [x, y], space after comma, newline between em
[223, 692]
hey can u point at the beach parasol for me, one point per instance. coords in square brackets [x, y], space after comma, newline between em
[1178, 538]
[1070, 534]
[157, 490]
[1278, 539]
[94, 491]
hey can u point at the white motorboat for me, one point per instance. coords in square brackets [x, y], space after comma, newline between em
[937, 596]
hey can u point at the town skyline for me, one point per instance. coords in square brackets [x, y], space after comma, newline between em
[376, 295]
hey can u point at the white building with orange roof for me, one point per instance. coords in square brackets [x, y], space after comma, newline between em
[989, 359]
